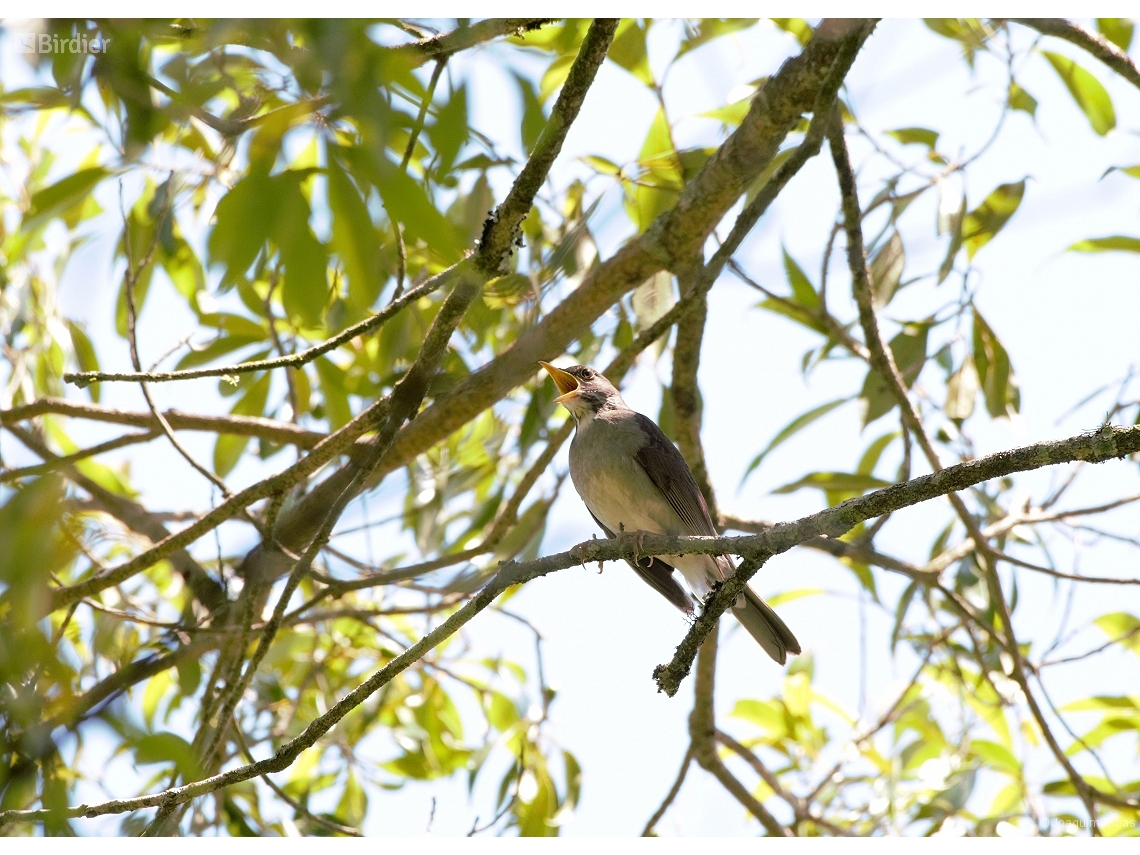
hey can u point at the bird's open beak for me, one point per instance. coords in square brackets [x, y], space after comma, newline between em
[566, 382]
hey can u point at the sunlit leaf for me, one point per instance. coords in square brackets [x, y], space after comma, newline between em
[984, 222]
[1117, 30]
[1087, 91]
[995, 373]
[1121, 243]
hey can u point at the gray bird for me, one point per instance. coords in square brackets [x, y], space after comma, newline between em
[632, 478]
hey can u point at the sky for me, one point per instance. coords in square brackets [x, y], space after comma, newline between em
[1067, 320]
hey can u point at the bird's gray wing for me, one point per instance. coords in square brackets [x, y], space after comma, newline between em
[657, 574]
[667, 469]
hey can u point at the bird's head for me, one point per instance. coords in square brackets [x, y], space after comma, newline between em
[582, 390]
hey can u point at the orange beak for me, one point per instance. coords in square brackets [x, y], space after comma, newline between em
[566, 382]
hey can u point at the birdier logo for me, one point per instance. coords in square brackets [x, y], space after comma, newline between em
[52, 43]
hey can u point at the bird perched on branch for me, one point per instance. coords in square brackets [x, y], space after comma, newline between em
[633, 479]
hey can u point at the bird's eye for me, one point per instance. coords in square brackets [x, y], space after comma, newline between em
[587, 373]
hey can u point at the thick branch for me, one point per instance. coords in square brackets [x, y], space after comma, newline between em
[1107, 443]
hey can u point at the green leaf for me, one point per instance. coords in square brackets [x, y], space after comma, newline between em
[996, 757]
[354, 238]
[995, 373]
[844, 482]
[797, 27]
[707, 29]
[653, 298]
[900, 613]
[554, 77]
[628, 50]
[984, 222]
[407, 203]
[449, 131]
[730, 114]
[168, 748]
[1104, 702]
[1121, 243]
[953, 225]
[970, 33]
[922, 136]
[803, 292]
[909, 350]
[243, 221]
[85, 357]
[1131, 171]
[1122, 626]
[353, 804]
[1019, 99]
[870, 458]
[306, 286]
[961, 390]
[789, 430]
[216, 349]
[601, 164]
[533, 117]
[796, 594]
[229, 448]
[1117, 30]
[59, 198]
[886, 270]
[1090, 95]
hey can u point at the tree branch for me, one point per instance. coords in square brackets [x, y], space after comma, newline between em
[253, 426]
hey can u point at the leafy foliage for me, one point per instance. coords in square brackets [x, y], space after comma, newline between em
[277, 183]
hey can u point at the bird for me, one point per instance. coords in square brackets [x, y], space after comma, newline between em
[633, 479]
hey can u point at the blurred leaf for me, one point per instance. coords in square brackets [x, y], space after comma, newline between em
[353, 804]
[870, 458]
[789, 430]
[996, 757]
[797, 27]
[229, 448]
[970, 33]
[909, 350]
[1121, 243]
[835, 481]
[628, 50]
[407, 202]
[533, 117]
[1123, 627]
[922, 136]
[653, 298]
[1019, 99]
[168, 748]
[67, 193]
[306, 260]
[953, 226]
[984, 222]
[706, 30]
[961, 390]
[803, 292]
[886, 269]
[354, 238]
[995, 373]
[85, 357]
[449, 131]
[1090, 95]
[1116, 30]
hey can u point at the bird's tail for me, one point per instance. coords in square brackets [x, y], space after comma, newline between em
[765, 626]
